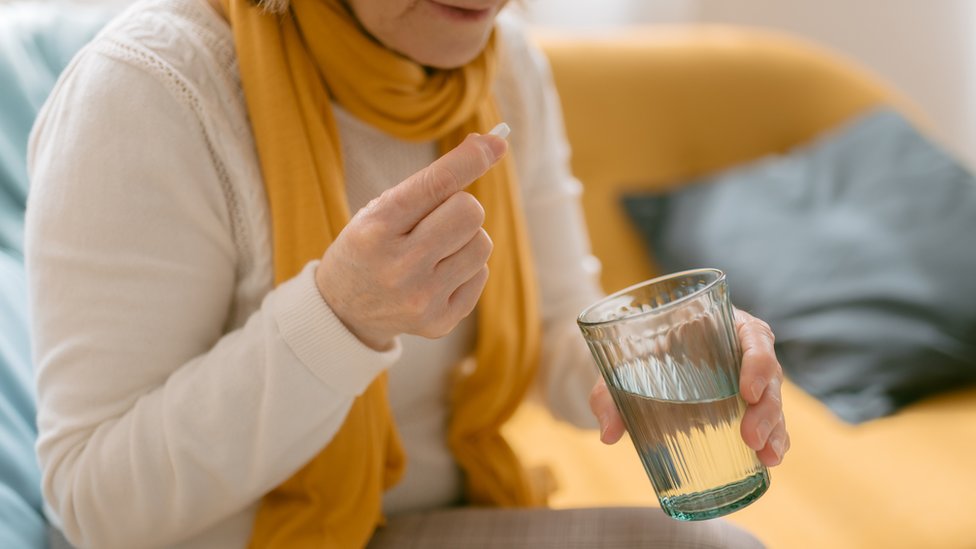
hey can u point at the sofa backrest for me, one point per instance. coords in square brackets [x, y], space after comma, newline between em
[652, 108]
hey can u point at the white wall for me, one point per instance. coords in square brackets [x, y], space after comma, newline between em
[587, 15]
[925, 48]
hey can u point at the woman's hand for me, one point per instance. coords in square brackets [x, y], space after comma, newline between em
[760, 383]
[414, 260]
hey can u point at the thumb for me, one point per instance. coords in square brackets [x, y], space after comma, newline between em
[420, 194]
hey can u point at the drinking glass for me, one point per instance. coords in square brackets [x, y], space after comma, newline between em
[668, 351]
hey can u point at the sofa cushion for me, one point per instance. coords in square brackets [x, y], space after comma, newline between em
[21, 518]
[858, 249]
[37, 40]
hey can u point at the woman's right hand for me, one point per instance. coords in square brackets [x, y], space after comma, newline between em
[414, 260]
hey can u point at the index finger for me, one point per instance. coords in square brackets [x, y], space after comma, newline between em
[421, 193]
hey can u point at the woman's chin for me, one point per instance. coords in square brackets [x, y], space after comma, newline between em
[449, 53]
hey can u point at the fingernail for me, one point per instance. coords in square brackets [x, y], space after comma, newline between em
[763, 432]
[502, 130]
[604, 425]
[778, 444]
[757, 388]
[496, 147]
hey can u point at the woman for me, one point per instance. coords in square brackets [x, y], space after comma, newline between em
[227, 356]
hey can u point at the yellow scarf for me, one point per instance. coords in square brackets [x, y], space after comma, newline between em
[293, 66]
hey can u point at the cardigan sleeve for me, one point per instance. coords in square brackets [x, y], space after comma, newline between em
[132, 263]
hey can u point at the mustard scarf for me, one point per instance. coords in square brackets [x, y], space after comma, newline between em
[293, 66]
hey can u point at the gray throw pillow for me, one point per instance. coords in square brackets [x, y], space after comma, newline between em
[859, 250]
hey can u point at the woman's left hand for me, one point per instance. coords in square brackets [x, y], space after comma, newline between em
[760, 383]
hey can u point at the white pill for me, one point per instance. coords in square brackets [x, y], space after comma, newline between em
[502, 130]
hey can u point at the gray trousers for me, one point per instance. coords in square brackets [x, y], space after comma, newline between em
[603, 528]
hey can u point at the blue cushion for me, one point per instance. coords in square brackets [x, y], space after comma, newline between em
[37, 41]
[858, 249]
[21, 519]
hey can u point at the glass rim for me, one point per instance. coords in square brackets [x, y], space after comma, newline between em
[656, 310]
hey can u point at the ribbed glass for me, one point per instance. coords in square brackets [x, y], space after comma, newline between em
[668, 351]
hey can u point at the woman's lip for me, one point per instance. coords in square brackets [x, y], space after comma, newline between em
[461, 14]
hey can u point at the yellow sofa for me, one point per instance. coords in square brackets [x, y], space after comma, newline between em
[652, 108]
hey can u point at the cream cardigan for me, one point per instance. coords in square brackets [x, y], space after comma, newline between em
[175, 386]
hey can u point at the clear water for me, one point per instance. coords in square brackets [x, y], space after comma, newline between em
[669, 352]
[694, 455]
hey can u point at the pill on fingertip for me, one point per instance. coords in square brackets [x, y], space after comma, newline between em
[502, 130]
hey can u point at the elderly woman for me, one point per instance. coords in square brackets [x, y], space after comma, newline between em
[228, 356]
